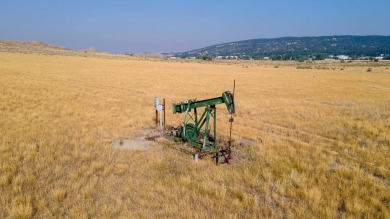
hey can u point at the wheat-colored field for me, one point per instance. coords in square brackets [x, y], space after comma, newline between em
[322, 140]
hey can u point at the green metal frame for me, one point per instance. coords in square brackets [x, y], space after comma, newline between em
[194, 127]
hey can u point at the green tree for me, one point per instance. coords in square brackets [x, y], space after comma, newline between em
[320, 56]
[208, 58]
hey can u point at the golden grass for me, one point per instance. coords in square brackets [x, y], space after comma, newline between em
[322, 151]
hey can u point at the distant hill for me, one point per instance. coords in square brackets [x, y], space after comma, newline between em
[294, 47]
[36, 47]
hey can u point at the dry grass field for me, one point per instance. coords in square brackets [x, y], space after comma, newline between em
[322, 139]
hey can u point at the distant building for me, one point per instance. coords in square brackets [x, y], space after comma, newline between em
[380, 57]
[362, 57]
[330, 57]
[343, 57]
[231, 57]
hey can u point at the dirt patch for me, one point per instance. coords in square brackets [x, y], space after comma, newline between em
[138, 143]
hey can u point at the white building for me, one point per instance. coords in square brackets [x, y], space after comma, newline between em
[343, 57]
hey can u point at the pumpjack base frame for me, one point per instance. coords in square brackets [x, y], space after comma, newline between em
[222, 152]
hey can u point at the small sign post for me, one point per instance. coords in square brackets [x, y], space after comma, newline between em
[159, 108]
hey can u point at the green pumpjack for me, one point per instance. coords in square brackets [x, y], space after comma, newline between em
[196, 130]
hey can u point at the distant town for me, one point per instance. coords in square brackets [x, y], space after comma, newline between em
[302, 57]
[297, 49]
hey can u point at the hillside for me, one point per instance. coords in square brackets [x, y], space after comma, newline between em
[36, 47]
[293, 46]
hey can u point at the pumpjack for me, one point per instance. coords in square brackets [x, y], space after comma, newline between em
[196, 130]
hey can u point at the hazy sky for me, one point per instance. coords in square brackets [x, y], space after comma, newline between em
[174, 26]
